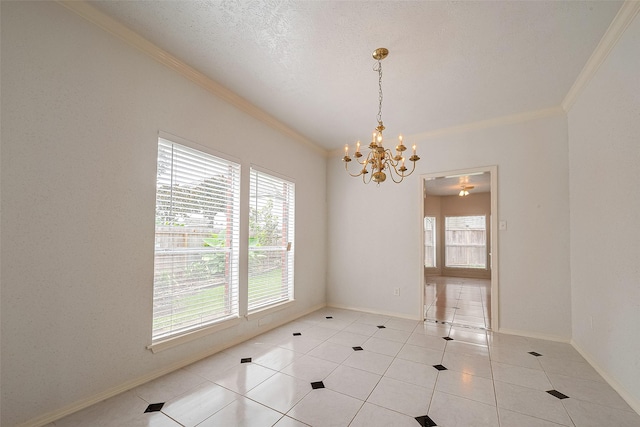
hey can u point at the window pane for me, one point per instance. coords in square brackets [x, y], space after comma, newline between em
[429, 241]
[466, 242]
[271, 240]
[196, 240]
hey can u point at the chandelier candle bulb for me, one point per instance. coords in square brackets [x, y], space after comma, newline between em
[414, 149]
[346, 157]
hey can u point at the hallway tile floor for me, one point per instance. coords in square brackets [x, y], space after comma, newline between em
[458, 300]
[341, 368]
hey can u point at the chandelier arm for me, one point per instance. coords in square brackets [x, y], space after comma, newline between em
[390, 159]
[355, 175]
[398, 174]
[346, 167]
[394, 163]
[413, 168]
[401, 174]
[404, 175]
[395, 169]
[367, 160]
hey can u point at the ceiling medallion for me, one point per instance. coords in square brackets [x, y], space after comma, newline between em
[380, 159]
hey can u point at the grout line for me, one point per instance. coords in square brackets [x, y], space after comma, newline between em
[419, 325]
[493, 383]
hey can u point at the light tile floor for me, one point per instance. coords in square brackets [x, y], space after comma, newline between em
[405, 374]
[458, 300]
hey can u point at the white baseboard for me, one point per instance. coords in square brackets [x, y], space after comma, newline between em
[622, 391]
[368, 310]
[530, 334]
[113, 391]
[633, 402]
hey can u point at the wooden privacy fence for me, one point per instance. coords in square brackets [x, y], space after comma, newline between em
[466, 248]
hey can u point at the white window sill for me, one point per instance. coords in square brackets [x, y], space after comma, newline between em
[193, 335]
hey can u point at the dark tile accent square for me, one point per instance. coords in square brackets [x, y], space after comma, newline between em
[382, 327]
[329, 317]
[556, 393]
[154, 407]
[358, 348]
[245, 360]
[533, 353]
[296, 334]
[317, 384]
[440, 367]
[425, 421]
[447, 338]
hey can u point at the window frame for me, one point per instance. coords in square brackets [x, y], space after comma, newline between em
[231, 317]
[288, 250]
[434, 239]
[447, 245]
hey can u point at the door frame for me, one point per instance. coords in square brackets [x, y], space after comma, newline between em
[494, 259]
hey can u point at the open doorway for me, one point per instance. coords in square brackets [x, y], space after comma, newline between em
[459, 247]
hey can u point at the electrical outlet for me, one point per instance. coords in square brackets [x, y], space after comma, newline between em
[396, 292]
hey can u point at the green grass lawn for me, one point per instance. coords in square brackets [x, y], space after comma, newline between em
[187, 310]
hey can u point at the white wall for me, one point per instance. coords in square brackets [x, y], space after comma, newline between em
[604, 148]
[81, 112]
[374, 243]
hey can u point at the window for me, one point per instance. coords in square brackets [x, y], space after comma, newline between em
[430, 241]
[271, 240]
[466, 241]
[196, 240]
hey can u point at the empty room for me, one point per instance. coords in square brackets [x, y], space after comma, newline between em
[319, 213]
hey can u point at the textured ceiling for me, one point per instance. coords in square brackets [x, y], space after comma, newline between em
[308, 63]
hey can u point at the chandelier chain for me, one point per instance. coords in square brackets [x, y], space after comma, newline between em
[378, 68]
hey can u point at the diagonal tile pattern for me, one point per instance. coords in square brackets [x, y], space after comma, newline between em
[344, 370]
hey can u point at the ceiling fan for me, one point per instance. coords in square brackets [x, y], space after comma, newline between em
[465, 190]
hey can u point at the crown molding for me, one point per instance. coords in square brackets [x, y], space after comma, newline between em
[114, 27]
[623, 18]
[489, 123]
[479, 125]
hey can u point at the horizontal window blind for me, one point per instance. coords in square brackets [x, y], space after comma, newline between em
[196, 240]
[271, 240]
[466, 241]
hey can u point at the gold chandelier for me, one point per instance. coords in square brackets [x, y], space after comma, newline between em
[380, 158]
